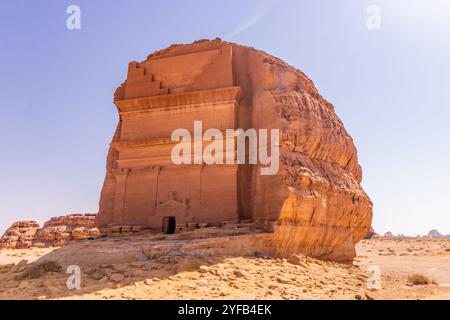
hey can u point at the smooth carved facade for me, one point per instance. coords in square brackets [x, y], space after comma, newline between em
[142, 184]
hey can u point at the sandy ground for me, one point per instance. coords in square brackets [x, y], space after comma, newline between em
[188, 277]
[399, 258]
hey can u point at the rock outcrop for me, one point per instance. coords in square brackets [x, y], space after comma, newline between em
[59, 231]
[56, 232]
[20, 235]
[315, 205]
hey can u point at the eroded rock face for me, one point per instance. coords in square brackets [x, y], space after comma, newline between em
[20, 235]
[371, 234]
[56, 232]
[59, 231]
[315, 203]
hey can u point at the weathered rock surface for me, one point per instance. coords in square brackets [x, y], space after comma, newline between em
[325, 211]
[59, 231]
[56, 232]
[315, 202]
[20, 235]
[207, 242]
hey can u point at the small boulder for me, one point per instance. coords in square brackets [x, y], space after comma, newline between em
[238, 273]
[80, 233]
[203, 269]
[296, 260]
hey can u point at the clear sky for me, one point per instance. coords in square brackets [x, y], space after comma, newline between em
[391, 88]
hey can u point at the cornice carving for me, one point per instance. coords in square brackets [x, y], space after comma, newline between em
[230, 94]
[121, 172]
[149, 169]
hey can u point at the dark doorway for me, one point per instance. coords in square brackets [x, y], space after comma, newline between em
[169, 225]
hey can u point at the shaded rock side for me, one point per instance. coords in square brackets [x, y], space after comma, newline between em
[371, 234]
[59, 231]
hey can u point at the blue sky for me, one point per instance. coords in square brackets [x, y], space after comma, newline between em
[391, 88]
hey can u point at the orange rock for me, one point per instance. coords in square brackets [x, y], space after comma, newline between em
[59, 231]
[315, 202]
[19, 236]
[56, 232]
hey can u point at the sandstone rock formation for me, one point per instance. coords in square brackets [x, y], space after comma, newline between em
[59, 231]
[315, 205]
[20, 235]
[56, 232]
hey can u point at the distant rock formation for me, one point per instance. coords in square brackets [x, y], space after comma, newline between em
[391, 235]
[432, 234]
[435, 234]
[56, 232]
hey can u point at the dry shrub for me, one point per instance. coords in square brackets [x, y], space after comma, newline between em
[419, 279]
[38, 270]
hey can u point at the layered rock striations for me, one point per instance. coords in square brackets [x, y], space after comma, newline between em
[59, 231]
[20, 235]
[315, 205]
[56, 232]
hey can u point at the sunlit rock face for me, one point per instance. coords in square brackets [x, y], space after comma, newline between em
[314, 204]
[56, 232]
[19, 236]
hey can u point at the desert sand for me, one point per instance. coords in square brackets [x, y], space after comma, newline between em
[196, 276]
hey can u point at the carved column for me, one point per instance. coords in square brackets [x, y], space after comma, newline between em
[231, 177]
[195, 189]
[152, 174]
[121, 176]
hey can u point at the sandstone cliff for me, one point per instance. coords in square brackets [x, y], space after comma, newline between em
[20, 235]
[323, 211]
[315, 204]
